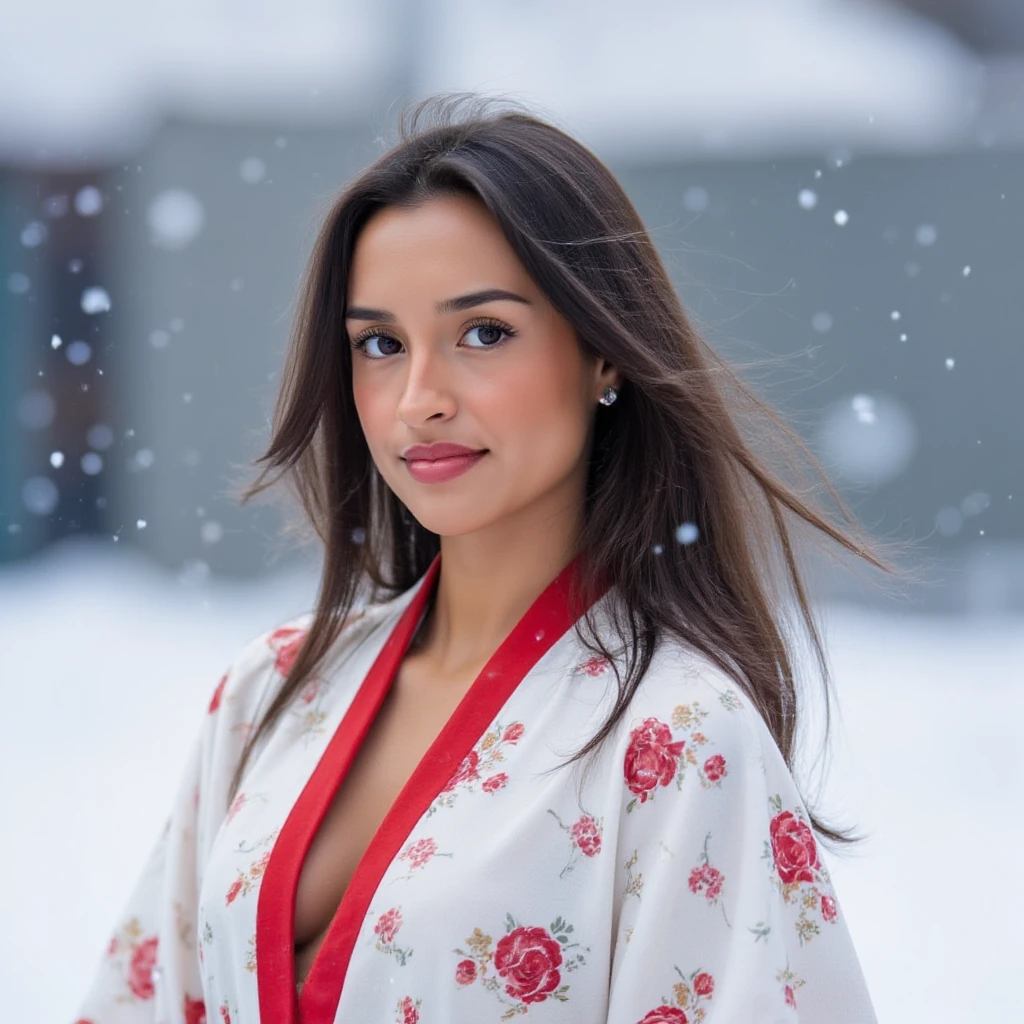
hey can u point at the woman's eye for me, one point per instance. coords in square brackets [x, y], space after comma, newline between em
[492, 335]
[376, 346]
[366, 343]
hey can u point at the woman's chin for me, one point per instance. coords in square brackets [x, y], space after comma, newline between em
[450, 526]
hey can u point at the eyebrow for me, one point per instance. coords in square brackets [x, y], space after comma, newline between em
[445, 306]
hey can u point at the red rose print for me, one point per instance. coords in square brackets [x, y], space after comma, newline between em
[387, 926]
[140, 969]
[704, 985]
[466, 772]
[286, 642]
[225, 1013]
[215, 699]
[586, 836]
[236, 888]
[790, 998]
[708, 880]
[513, 732]
[418, 853]
[828, 908]
[494, 783]
[796, 854]
[665, 1015]
[410, 1015]
[714, 767]
[465, 972]
[594, 666]
[528, 959]
[652, 759]
[195, 1011]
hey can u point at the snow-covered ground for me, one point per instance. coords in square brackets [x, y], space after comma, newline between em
[109, 663]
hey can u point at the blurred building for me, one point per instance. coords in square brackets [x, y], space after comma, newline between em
[829, 182]
[987, 26]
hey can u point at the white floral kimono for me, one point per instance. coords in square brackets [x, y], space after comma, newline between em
[675, 881]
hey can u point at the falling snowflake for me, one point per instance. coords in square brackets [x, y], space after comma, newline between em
[95, 300]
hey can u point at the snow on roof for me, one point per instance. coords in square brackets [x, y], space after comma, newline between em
[86, 83]
[717, 76]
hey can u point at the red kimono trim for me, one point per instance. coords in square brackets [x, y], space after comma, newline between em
[544, 622]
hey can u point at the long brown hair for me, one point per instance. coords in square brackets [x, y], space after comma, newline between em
[670, 451]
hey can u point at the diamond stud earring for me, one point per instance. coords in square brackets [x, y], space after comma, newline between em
[609, 396]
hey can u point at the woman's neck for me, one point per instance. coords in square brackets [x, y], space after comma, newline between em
[476, 604]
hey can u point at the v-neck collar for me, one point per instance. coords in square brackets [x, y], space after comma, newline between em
[544, 622]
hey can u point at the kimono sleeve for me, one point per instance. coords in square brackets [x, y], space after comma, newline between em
[150, 970]
[727, 910]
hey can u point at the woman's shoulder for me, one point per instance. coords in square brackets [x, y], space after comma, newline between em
[679, 672]
[687, 696]
[690, 726]
[262, 663]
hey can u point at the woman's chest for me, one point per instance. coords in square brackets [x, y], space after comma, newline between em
[416, 859]
[409, 720]
[503, 896]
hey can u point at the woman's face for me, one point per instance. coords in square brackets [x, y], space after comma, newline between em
[503, 374]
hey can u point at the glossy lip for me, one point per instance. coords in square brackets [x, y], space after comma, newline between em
[440, 450]
[436, 471]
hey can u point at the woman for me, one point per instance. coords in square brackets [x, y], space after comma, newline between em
[541, 766]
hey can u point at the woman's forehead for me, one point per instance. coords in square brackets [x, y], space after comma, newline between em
[437, 252]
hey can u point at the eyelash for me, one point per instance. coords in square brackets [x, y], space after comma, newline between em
[359, 342]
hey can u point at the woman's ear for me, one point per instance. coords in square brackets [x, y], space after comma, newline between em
[608, 375]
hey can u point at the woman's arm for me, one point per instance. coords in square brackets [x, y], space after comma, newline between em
[727, 909]
[152, 953]
[151, 968]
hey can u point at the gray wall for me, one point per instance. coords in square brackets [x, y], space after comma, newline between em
[755, 268]
[752, 267]
[203, 401]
